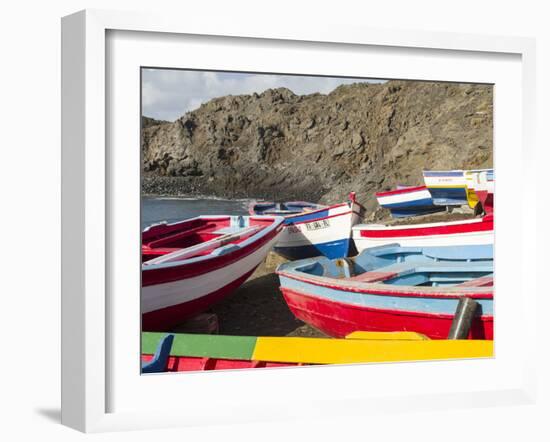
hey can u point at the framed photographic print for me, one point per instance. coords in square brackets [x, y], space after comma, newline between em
[281, 216]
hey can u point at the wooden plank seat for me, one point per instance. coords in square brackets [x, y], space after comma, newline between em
[206, 246]
[385, 273]
[484, 281]
[373, 276]
[402, 269]
[229, 229]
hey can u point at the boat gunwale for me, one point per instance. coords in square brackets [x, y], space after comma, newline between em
[318, 208]
[373, 288]
[382, 227]
[401, 191]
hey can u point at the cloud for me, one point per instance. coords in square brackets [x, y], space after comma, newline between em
[167, 94]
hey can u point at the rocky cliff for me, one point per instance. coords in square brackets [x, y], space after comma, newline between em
[361, 137]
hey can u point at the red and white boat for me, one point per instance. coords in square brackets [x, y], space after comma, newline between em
[477, 231]
[189, 265]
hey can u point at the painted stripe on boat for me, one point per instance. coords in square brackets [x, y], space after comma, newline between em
[410, 204]
[316, 213]
[349, 351]
[401, 191]
[404, 302]
[445, 229]
[196, 345]
[313, 282]
[443, 173]
[196, 266]
[414, 226]
[161, 295]
[459, 239]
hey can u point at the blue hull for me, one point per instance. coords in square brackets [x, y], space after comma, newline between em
[413, 208]
[403, 213]
[332, 250]
[448, 196]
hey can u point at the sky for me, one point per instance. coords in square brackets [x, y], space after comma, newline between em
[168, 93]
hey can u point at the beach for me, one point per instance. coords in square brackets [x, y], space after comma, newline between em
[258, 308]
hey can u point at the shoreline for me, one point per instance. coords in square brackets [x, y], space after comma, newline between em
[189, 197]
[156, 186]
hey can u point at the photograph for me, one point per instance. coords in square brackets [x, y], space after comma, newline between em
[303, 220]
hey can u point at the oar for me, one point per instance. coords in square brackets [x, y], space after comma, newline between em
[214, 243]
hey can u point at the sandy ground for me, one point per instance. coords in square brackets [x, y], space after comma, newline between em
[258, 308]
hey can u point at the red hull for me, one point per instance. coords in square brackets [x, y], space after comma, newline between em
[339, 320]
[486, 200]
[485, 224]
[165, 319]
[188, 363]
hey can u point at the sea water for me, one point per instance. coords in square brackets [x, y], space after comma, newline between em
[154, 210]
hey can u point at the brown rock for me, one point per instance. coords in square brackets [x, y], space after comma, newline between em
[361, 137]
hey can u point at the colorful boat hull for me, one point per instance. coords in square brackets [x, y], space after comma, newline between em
[174, 290]
[383, 299]
[478, 231]
[452, 187]
[282, 209]
[320, 233]
[408, 201]
[484, 190]
[190, 352]
[325, 231]
[448, 188]
[475, 180]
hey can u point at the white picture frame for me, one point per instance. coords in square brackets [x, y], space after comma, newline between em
[93, 237]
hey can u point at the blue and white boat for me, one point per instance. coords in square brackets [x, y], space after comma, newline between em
[315, 230]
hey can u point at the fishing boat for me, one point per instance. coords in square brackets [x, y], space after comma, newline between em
[485, 189]
[324, 231]
[392, 288]
[475, 180]
[453, 187]
[189, 265]
[408, 201]
[195, 352]
[283, 209]
[475, 231]
[448, 188]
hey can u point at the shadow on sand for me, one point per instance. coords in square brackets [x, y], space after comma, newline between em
[258, 308]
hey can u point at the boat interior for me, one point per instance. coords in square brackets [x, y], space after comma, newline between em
[197, 237]
[468, 266]
[289, 208]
